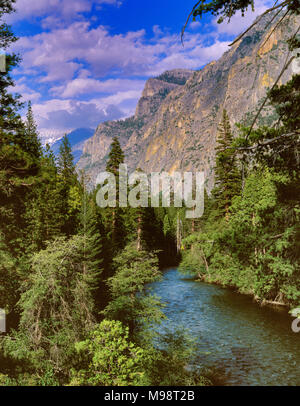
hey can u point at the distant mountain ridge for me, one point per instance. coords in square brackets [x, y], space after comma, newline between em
[176, 119]
[76, 139]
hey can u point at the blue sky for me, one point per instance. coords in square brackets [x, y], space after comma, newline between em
[86, 61]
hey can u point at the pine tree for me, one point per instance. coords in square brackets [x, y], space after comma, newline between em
[57, 308]
[31, 133]
[68, 181]
[19, 161]
[130, 301]
[90, 230]
[115, 158]
[66, 167]
[227, 177]
[45, 208]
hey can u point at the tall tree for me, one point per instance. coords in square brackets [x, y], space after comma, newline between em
[68, 185]
[66, 167]
[45, 208]
[130, 301]
[90, 229]
[227, 177]
[115, 158]
[19, 150]
[31, 133]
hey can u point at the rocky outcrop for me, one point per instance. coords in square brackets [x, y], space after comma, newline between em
[175, 125]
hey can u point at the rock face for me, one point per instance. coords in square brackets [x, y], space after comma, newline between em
[176, 119]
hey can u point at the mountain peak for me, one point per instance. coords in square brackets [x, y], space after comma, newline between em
[176, 120]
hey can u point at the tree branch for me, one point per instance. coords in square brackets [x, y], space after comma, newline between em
[188, 19]
[281, 5]
[267, 142]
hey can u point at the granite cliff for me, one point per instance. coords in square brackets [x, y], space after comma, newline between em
[176, 119]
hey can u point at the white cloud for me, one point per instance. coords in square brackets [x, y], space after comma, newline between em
[25, 91]
[87, 85]
[64, 52]
[65, 115]
[59, 9]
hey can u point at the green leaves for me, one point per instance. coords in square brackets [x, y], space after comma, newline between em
[56, 306]
[111, 358]
[130, 302]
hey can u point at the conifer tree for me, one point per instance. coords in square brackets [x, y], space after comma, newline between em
[227, 177]
[66, 167]
[115, 158]
[90, 230]
[57, 308]
[68, 181]
[19, 160]
[45, 208]
[31, 133]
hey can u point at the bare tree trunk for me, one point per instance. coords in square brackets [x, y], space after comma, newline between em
[178, 234]
[139, 233]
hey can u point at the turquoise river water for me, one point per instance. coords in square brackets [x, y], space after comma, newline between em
[244, 343]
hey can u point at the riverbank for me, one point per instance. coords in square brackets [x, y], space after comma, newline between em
[257, 299]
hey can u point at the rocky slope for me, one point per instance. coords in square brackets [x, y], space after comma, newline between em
[175, 125]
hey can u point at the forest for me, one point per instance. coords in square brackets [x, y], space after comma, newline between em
[74, 277]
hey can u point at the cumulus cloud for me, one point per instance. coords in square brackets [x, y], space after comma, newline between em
[60, 9]
[64, 52]
[83, 85]
[25, 91]
[66, 115]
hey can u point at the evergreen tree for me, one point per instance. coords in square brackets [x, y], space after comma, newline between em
[8, 278]
[227, 177]
[90, 230]
[66, 167]
[31, 133]
[45, 208]
[109, 358]
[57, 308]
[115, 158]
[19, 151]
[130, 302]
[68, 186]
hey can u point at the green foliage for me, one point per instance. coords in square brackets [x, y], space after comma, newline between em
[256, 250]
[227, 177]
[44, 208]
[115, 158]
[115, 214]
[66, 167]
[8, 278]
[67, 183]
[56, 307]
[110, 358]
[130, 302]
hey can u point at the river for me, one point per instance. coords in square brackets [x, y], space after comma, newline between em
[244, 343]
